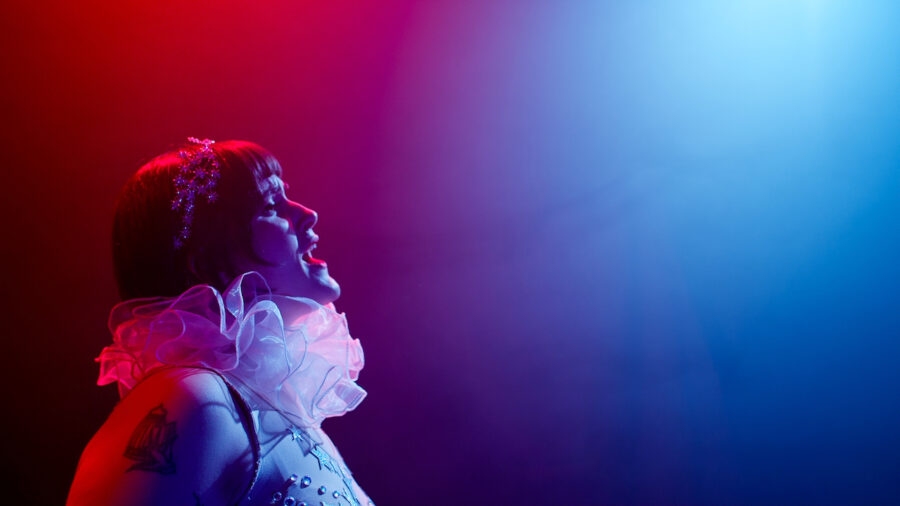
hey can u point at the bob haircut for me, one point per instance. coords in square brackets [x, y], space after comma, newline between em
[145, 259]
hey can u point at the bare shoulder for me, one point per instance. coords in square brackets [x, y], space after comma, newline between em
[178, 437]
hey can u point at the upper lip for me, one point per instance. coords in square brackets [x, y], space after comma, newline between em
[313, 239]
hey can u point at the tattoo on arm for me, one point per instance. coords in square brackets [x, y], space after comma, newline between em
[151, 443]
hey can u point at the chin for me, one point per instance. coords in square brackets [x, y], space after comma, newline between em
[328, 293]
[321, 288]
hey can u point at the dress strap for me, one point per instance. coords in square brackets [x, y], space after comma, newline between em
[250, 427]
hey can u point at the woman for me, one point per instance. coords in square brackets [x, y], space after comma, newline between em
[227, 350]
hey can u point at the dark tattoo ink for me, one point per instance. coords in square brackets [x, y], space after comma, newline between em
[197, 500]
[151, 443]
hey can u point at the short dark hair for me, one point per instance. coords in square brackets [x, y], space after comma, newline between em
[145, 259]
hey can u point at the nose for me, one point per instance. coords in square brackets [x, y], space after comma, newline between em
[304, 217]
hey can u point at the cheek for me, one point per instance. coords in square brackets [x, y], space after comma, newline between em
[273, 241]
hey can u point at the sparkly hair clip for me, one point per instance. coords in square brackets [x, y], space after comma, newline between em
[197, 177]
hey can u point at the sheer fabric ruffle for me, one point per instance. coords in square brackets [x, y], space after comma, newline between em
[292, 353]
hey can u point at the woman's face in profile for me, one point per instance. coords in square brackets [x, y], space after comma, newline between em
[282, 240]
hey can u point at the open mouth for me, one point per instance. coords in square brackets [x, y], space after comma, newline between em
[307, 257]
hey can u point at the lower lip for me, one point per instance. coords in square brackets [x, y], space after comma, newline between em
[313, 262]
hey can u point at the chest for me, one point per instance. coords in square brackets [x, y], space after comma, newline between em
[301, 467]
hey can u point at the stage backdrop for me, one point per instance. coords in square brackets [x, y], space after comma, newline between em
[596, 253]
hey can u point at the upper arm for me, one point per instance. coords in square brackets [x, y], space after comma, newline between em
[175, 439]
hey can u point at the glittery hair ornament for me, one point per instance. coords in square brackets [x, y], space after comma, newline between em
[197, 177]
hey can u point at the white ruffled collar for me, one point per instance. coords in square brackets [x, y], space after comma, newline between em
[293, 354]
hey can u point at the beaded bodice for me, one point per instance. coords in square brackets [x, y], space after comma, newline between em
[300, 466]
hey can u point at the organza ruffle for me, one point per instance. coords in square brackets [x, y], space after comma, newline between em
[292, 353]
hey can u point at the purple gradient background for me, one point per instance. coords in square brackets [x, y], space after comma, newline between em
[595, 254]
